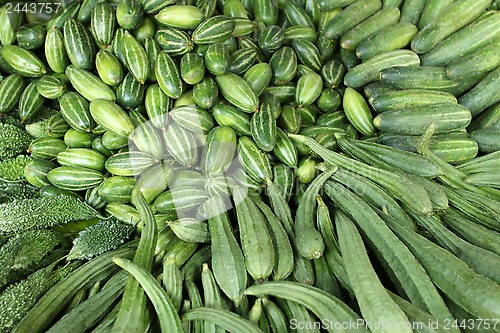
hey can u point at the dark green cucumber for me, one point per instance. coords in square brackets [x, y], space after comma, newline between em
[389, 38]
[481, 61]
[477, 34]
[451, 147]
[414, 121]
[455, 16]
[483, 95]
[488, 140]
[401, 99]
[351, 16]
[382, 19]
[369, 70]
[426, 77]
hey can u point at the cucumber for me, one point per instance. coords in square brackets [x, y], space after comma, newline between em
[489, 118]
[154, 6]
[412, 10]
[369, 70]
[479, 62]
[451, 147]
[152, 50]
[89, 85]
[351, 16]
[333, 73]
[401, 99]
[297, 15]
[85, 11]
[414, 121]
[46, 147]
[472, 37]
[78, 139]
[192, 68]
[384, 18]
[483, 95]
[456, 16]
[74, 178]
[79, 45]
[31, 36]
[488, 140]
[388, 38]
[426, 77]
[432, 9]
[283, 64]
[67, 12]
[129, 14]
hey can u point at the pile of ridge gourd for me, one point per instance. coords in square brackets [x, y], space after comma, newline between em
[250, 166]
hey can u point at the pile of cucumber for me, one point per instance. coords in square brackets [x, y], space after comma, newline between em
[250, 166]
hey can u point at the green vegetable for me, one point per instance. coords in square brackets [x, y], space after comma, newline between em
[13, 140]
[99, 238]
[36, 213]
